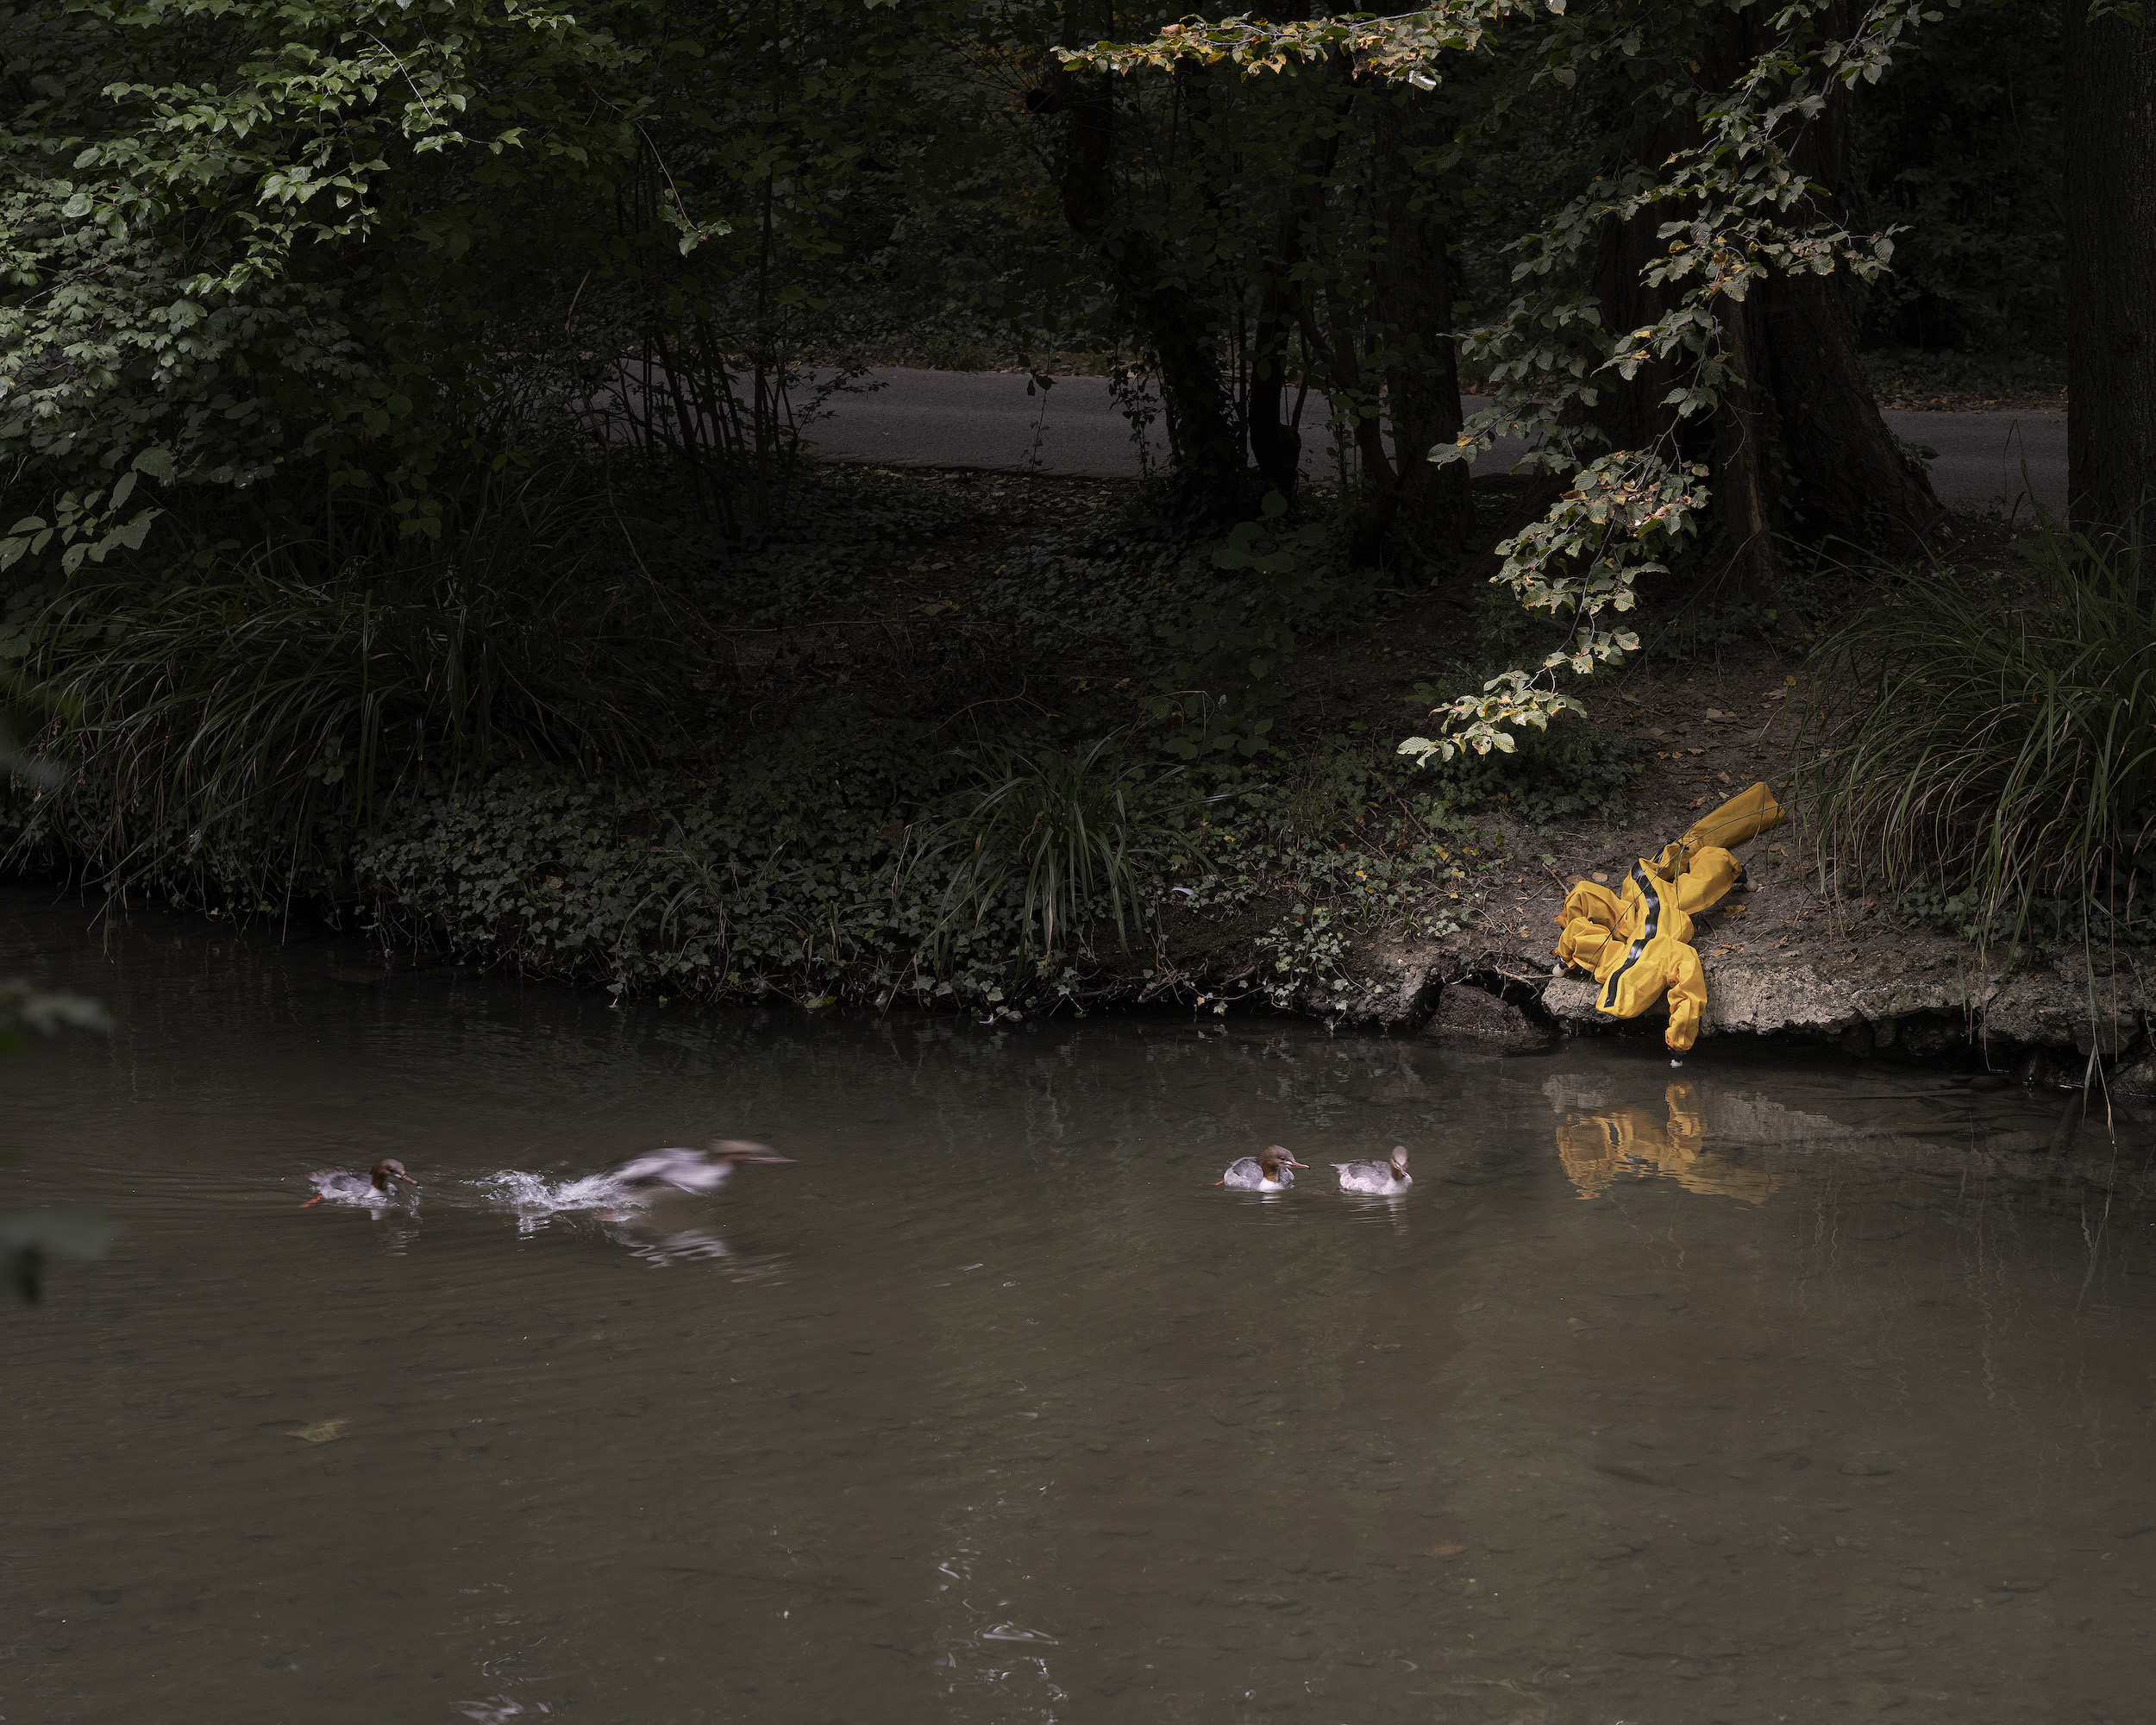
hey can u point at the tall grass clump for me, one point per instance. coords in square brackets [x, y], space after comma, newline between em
[1062, 840]
[1995, 757]
[226, 734]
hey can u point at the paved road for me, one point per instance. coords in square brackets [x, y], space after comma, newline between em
[986, 419]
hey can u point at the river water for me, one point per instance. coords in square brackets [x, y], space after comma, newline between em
[1792, 1389]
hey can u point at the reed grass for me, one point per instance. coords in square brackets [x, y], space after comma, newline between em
[1999, 753]
[226, 734]
[1062, 838]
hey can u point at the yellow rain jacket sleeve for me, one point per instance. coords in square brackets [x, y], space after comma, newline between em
[1588, 920]
[1706, 882]
[1743, 817]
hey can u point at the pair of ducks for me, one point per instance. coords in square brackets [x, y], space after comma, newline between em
[699, 1172]
[1271, 1170]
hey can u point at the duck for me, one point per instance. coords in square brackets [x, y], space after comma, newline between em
[699, 1172]
[371, 1187]
[1268, 1171]
[1382, 1177]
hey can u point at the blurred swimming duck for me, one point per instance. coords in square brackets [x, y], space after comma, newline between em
[372, 1188]
[1267, 1172]
[699, 1172]
[1376, 1177]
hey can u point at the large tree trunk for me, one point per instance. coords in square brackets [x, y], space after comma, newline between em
[1850, 479]
[2110, 265]
[1747, 432]
[1798, 449]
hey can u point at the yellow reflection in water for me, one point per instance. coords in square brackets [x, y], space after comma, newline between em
[1637, 1143]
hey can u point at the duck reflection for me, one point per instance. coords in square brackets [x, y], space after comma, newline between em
[660, 1245]
[1610, 1144]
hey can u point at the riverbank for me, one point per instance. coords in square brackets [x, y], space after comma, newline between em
[1787, 958]
[860, 693]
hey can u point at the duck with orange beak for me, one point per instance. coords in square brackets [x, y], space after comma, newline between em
[335, 1186]
[1269, 1170]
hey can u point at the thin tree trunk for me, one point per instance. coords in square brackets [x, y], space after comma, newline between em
[1746, 437]
[1207, 444]
[1414, 309]
[1275, 445]
[2110, 265]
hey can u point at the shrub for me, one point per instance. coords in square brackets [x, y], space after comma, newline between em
[1549, 774]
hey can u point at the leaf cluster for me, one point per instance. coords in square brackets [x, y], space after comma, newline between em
[1731, 205]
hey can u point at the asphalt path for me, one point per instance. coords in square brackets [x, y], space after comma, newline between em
[986, 419]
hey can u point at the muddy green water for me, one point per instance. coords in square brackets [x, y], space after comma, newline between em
[1793, 1390]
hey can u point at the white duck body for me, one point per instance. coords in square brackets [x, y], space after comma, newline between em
[701, 1172]
[1380, 1179]
[1273, 1172]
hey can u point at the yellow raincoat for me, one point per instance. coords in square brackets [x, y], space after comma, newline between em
[1638, 944]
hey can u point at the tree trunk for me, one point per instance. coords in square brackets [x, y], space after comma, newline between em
[1207, 443]
[1746, 432]
[1414, 313]
[1275, 445]
[1847, 477]
[2110, 266]
[1798, 449]
[1850, 478]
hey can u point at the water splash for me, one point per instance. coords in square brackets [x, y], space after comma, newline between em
[534, 1197]
[499, 1709]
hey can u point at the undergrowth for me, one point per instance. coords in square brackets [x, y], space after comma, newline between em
[827, 554]
[1561, 773]
[831, 863]
[1988, 758]
[1344, 844]
[501, 745]
[222, 733]
[728, 883]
